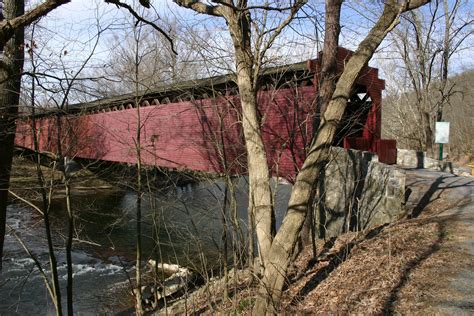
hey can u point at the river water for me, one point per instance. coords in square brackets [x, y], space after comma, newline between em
[188, 224]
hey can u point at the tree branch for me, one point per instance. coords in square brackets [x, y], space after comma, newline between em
[243, 8]
[200, 7]
[8, 27]
[141, 19]
[261, 53]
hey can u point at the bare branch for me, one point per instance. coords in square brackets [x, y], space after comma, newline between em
[141, 19]
[200, 7]
[243, 8]
[268, 44]
[8, 27]
[34, 258]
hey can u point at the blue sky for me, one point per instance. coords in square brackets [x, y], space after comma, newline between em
[73, 28]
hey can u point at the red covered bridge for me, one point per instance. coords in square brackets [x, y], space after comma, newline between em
[195, 125]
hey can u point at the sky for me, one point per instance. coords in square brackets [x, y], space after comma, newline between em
[68, 34]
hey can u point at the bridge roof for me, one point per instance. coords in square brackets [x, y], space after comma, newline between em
[302, 73]
[193, 89]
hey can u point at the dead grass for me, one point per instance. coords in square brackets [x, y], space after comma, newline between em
[370, 279]
[404, 268]
[401, 268]
[429, 282]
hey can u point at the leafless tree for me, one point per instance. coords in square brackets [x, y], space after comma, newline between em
[275, 253]
[11, 65]
[11, 30]
[63, 141]
[159, 65]
[248, 64]
[426, 42]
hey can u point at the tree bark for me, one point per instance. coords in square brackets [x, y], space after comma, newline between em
[11, 66]
[327, 77]
[11, 24]
[283, 245]
[326, 85]
[259, 176]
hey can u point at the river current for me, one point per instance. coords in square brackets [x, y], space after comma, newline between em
[181, 225]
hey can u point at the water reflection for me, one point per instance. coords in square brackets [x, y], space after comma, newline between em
[178, 225]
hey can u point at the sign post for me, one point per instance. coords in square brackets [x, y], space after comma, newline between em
[441, 136]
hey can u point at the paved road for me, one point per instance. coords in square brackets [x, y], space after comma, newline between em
[452, 197]
[429, 189]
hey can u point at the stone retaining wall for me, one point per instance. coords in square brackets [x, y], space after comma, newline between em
[357, 192]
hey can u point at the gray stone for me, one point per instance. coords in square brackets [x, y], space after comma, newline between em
[357, 192]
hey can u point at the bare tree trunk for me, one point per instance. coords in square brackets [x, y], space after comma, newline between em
[60, 130]
[56, 291]
[250, 233]
[326, 85]
[138, 268]
[11, 66]
[446, 56]
[259, 181]
[327, 77]
[225, 246]
[283, 245]
[138, 148]
[427, 130]
[70, 222]
[237, 16]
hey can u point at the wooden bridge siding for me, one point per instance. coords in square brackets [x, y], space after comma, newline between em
[287, 129]
[171, 136]
[188, 134]
[185, 134]
[373, 127]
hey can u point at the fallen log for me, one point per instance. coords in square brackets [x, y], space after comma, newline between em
[180, 278]
[167, 268]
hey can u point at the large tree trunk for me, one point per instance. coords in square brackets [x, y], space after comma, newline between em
[327, 77]
[259, 185]
[283, 245]
[11, 66]
[326, 86]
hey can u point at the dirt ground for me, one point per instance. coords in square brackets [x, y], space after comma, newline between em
[404, 268]
[420, 265]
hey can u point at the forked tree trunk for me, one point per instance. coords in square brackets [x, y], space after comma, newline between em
[11, 66]
[270, 290]
[237, 16]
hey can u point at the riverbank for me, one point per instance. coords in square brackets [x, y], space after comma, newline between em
[406, 267]
[402, 267]
[90, 177]
[24, 181]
